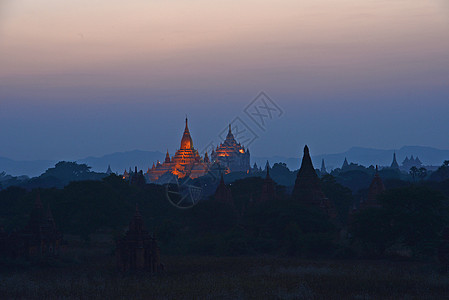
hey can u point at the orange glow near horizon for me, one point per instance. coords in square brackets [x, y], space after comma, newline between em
[187, 43]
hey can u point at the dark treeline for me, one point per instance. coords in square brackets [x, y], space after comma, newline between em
[409, 223]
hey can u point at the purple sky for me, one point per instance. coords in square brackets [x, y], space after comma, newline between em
[94, 77]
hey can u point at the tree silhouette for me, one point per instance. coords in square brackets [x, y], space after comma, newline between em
[422, 173]
[414, 172]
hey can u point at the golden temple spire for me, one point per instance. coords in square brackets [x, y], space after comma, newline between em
[186, 141]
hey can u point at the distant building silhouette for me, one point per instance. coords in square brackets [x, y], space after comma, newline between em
[345, 164]
[39, 238]
[411, 162]
[109, 171]
[125, 175]
[232, 155]
[137, 178]
[268, 188]
[138, 250]
[375, 189]
[223, 193]
[323, 167]
[394, 164]
[307, 189]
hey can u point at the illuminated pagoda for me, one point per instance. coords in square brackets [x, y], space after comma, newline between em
[231, 155]
[185, 162]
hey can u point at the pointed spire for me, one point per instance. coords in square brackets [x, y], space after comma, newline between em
[323, 167]
[223, 193]
[167, 157]
[267, 165]
[307, 184]
[109, 171]
[376, 187]
[418, 161]
[135, 170]
[345, 164]
[186, 141]
[394, 163]
[230, 140]
[268, 173]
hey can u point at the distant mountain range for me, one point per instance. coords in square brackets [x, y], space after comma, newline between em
[144, 159]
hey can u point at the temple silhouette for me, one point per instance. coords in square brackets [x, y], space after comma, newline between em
[187, 162]
[231, 155]
[138, 250]
[307, 189]
[39, 238]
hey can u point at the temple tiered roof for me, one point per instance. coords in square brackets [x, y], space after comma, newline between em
[185, 162]
[231, 155]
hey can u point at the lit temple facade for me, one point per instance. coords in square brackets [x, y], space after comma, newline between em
[185, 162]
[231, 155]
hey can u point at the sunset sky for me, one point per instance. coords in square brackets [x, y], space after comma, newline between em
[91, 77]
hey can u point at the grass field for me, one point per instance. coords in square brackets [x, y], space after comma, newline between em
[90, 273]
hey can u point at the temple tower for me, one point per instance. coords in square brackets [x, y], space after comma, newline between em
[223, 193]
[375, 189]
[345, 164]
[307, 189]
[394, 164]
[138, 250]
[323, 167]
[268, 188]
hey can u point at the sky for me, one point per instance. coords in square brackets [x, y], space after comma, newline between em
[90, 77]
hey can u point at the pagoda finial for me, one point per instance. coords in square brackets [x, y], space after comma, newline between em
[186, 141]
[306, 150]
[323, 167]
[230, 128]
[167, 157]
[345, 164]
[267, 165]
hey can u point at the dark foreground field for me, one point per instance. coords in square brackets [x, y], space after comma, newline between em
[91, 274]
